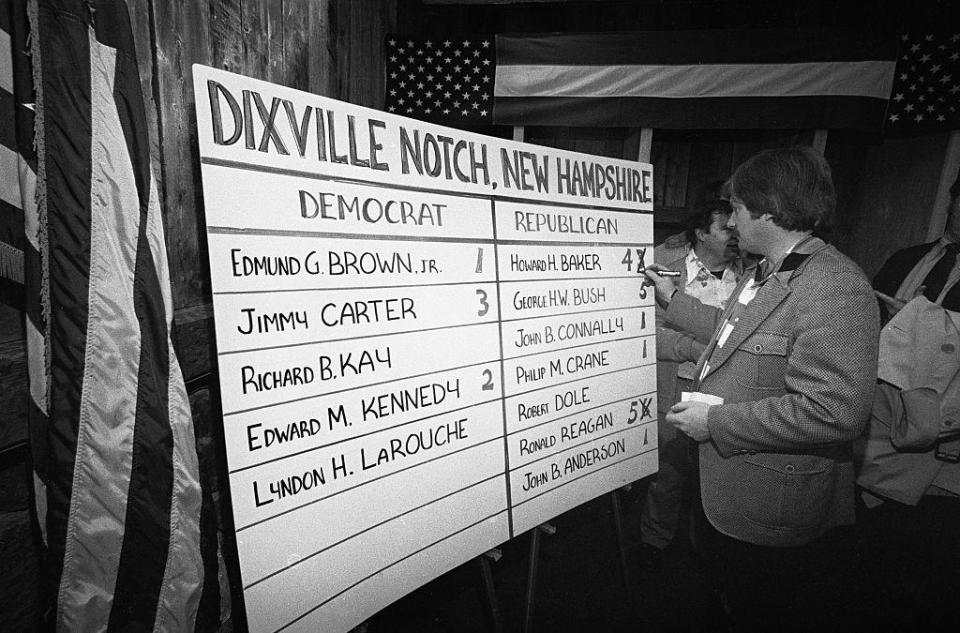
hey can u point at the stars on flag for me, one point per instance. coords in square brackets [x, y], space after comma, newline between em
[453, 79]
[926, 83]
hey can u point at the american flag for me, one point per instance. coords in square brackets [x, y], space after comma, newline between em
[926, 90]
[114, 453]
[713, 79]
[442, 79]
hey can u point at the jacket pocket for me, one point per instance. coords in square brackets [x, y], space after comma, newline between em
[767, 360]
[787, 491]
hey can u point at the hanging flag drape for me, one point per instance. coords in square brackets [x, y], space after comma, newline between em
[19, 254]
[12, 161]
[749, 79]
[117, 455]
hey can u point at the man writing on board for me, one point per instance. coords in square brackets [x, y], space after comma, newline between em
[784, 386]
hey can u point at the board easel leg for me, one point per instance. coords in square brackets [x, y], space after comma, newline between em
[621, 545]
[490, 589]
[532, 573]
[531, 579]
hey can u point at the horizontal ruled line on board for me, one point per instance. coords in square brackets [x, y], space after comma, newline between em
[356, 437]
[552, 279]
[226, 230]
[219, 162]
[578, 379]
[564, 349]
[440, 283]
[396, 562]
[369, 481]
[566, 314]
[532, 242]
[419, 331]
[346, 288]
[372, 527]
[355, 338]
[580, 412]
[229, 230]
[638, 425]
[619, 461]
[372, 384]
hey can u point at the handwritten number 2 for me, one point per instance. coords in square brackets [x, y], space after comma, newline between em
[488, 385]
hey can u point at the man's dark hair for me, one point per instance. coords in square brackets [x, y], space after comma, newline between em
[702, 217]
[793, 184]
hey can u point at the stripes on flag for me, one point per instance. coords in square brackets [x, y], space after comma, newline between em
[751, 79]
[117, 456]
[800, 79]
[19, 240]
[17, 159]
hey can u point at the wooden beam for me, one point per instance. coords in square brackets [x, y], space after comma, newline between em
[819, 140]
[518, 133]
[646, 143]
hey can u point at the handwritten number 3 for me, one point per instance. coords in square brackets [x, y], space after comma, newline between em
[484, 306]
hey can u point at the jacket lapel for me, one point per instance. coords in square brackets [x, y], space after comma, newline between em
[771, 295]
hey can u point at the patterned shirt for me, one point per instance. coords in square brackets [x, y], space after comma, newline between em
[705, 286]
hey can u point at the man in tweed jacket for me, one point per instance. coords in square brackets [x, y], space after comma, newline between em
[789, 374]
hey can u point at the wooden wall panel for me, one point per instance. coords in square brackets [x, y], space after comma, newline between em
[296, 44]
[360, 27]
[897, 194]
[182, 39]
[226, 35]
[321, 57]
[600, 141]
[262, 27]
[671, 168]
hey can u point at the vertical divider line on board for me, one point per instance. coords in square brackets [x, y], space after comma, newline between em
[503, 379]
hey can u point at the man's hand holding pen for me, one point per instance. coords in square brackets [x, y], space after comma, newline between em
[661, 278]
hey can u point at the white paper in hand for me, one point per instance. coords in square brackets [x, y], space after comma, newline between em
[696, 396]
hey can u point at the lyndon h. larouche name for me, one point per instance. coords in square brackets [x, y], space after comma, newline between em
[326, 136]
